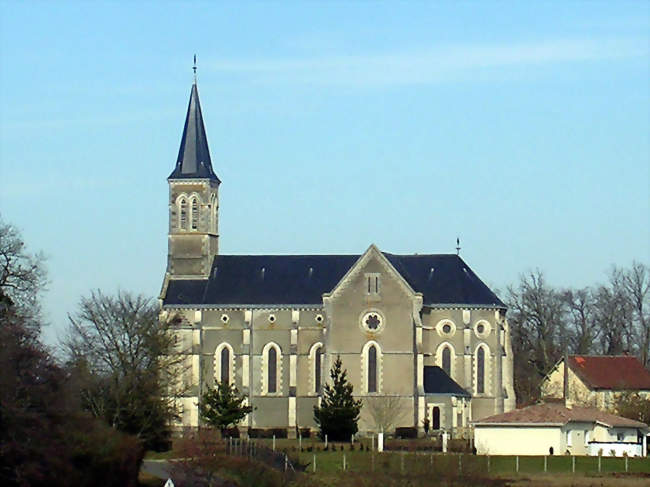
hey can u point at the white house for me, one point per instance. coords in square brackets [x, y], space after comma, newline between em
[551, 428]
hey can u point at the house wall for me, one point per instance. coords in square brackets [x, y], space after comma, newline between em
[579, 392]
[518, 440]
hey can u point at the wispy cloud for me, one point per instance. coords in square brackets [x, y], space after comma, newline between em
[431, 64]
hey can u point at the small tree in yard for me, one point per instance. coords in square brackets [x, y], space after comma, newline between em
[339, 412]
[222, 406]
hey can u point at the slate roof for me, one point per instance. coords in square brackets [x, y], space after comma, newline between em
[615, 372]
[443, 279]
[436, 381]
[194, 155]
[554, 413]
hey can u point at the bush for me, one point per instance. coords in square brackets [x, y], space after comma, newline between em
[458, 446]
[279, 432]
[231, 432]
[408, 432]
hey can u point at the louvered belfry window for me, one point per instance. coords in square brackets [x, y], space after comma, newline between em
[183, 215]
[195, 214]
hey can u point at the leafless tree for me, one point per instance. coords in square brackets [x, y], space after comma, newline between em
[613, 315]
[386, 412]
[22, 275]
[122, 355]
[537, 320]
[636, 282]
[582, 331]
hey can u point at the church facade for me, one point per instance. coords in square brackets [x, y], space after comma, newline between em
[421, 336]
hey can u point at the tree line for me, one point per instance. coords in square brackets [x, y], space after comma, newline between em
[610, 318]
[110, 392]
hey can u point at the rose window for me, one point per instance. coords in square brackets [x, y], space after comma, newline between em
[373, 321]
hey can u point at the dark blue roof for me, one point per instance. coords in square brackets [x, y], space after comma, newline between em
[442, 279]
[194, 155]
[436, 381]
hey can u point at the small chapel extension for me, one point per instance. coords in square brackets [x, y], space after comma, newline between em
[423, 330]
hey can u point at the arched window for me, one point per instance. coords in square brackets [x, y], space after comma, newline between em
[272, 371]
[435, 423]
[372, 369]
[317, 370]
[316, 361]
[480, 370]
[224, 360]
[225, 365]
[195, 213]
[213, 208]
[182, 214]
[446, 360]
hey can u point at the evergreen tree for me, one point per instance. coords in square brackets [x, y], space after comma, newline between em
[339, 412]
[222, 406]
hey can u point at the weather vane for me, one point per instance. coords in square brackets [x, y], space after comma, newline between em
[194, 68]
[457, 245]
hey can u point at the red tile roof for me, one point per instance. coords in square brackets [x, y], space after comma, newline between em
[555, 413]
[616, 372]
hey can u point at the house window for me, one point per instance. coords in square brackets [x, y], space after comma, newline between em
[480, 371]
[182, 214]
[195, 213]
[372, 283]
[446, 360]
[620, 436]
[372, 369]
[272, 371]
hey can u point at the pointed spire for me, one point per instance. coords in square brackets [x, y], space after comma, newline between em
[194, 156]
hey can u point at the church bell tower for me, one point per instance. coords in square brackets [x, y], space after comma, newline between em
[193, 201]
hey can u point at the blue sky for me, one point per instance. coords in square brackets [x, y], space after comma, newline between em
[521, 127]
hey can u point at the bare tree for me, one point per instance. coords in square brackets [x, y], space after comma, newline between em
[123, 358]
[613, 315]
[22, 275]
[386, 412]
[636, 282]
[582, 331]
[537, 321]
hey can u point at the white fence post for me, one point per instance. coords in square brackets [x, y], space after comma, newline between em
[273, 442]
[344, 462]
[517, 464]
[626, 467]
[314, 463]
[545, 463]
[488, 463]
[573, 464]
[599, 457]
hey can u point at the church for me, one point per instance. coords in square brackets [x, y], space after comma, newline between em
[421, 336]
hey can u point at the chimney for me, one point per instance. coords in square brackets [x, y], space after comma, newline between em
[565, 394]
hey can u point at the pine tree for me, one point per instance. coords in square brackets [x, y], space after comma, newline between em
[338, 414]
[222, 406]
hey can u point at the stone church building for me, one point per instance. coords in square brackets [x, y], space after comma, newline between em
[420, 335]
